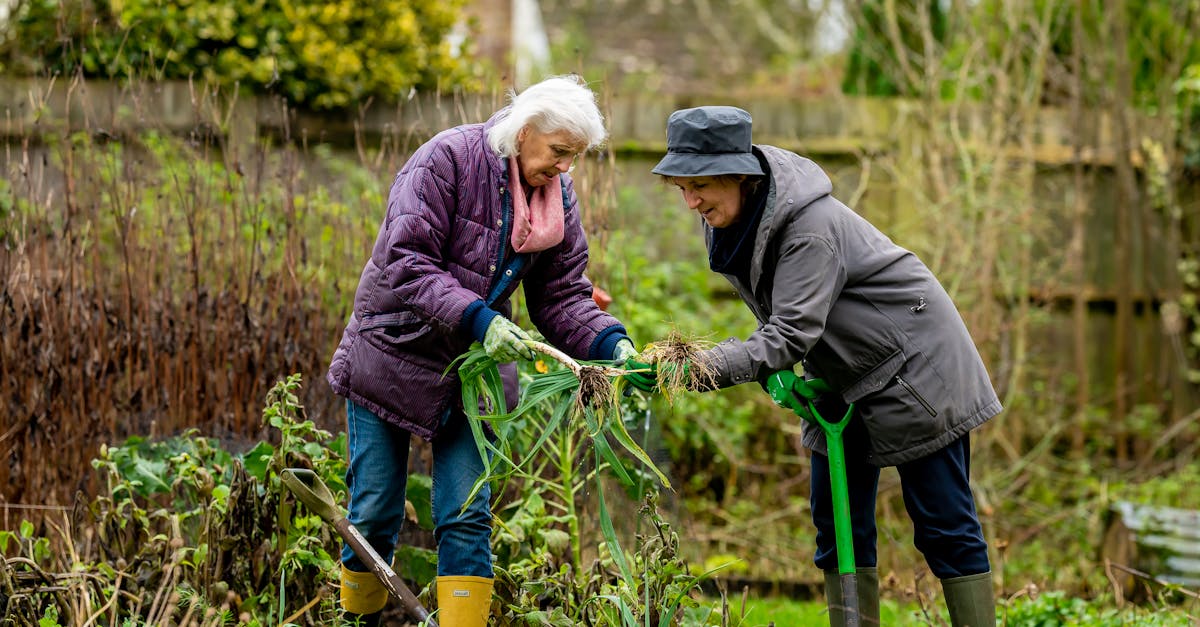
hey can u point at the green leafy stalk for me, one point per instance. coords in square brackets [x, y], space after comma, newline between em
[482, 386]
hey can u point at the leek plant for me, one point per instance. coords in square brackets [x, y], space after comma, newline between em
[565, 431]
[570, 405]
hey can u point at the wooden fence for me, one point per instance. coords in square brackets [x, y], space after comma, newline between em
[841, 131]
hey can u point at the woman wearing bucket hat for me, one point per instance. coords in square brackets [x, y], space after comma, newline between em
[475, 212]
[831, 292]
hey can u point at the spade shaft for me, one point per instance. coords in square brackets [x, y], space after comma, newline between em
[311, 491]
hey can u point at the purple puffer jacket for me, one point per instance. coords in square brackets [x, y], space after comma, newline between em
[438, 254]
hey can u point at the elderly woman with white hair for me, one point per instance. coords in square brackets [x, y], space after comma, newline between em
[476, 211]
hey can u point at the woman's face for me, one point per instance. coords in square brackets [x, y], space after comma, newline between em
[543, 156]
[718, 199]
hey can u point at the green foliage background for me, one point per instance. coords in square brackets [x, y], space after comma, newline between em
[319, 54]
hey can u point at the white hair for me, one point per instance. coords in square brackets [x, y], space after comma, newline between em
[559, 103]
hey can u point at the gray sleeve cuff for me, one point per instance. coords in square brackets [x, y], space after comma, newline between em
[730, 363]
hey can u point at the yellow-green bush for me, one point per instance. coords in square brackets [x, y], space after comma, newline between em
[319, 54]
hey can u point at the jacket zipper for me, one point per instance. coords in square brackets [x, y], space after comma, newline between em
[920, 399]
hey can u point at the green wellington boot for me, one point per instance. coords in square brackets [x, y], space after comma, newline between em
[868, 597]
[970, 600]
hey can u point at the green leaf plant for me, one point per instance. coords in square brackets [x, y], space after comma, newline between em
[564, 437]
[185, 532]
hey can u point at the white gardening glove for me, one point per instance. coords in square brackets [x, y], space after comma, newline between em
[623, 351]
[504, 341]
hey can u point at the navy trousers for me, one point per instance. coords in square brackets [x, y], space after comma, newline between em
[937, 497]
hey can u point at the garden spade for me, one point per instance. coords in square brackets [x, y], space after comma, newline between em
[808, 391]
[311, 491]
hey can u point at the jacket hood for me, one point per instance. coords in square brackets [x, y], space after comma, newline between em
[800, 180]
[796, 182]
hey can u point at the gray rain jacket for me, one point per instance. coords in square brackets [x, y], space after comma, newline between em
[833, 292]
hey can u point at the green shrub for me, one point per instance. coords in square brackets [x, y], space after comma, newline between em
[318, 54]
[1176, 489]
[1056, 609]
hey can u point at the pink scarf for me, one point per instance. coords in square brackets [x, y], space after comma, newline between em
[538, 222]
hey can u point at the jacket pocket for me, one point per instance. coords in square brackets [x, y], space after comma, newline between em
[394, 329]
[876, 378]
[912, 391]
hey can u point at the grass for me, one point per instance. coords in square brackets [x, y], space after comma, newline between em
[763, 611]
[1049, 609]
[767, 610]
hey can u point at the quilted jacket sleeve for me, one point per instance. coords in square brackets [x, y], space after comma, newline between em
[411, 248]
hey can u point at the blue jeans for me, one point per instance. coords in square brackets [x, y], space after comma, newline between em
[936, 495]
[378, 473]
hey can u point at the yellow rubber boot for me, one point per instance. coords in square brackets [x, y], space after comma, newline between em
[464, 601]
[362, 593]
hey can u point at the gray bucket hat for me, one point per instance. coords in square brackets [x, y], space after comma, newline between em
[708, 141]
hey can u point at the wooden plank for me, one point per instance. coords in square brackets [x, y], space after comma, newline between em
[1166, 539]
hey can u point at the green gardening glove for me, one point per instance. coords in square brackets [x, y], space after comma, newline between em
[795, 393]
[505, 341]
[646, 381]
[780, 386]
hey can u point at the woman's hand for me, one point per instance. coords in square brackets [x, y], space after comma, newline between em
[624, 351]
[646, 380]
[504, 341]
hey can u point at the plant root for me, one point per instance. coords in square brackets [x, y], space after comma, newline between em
[596, 390]
[681, 366]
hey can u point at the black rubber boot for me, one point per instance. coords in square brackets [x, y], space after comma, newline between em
[970, 600]
[868, 597]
